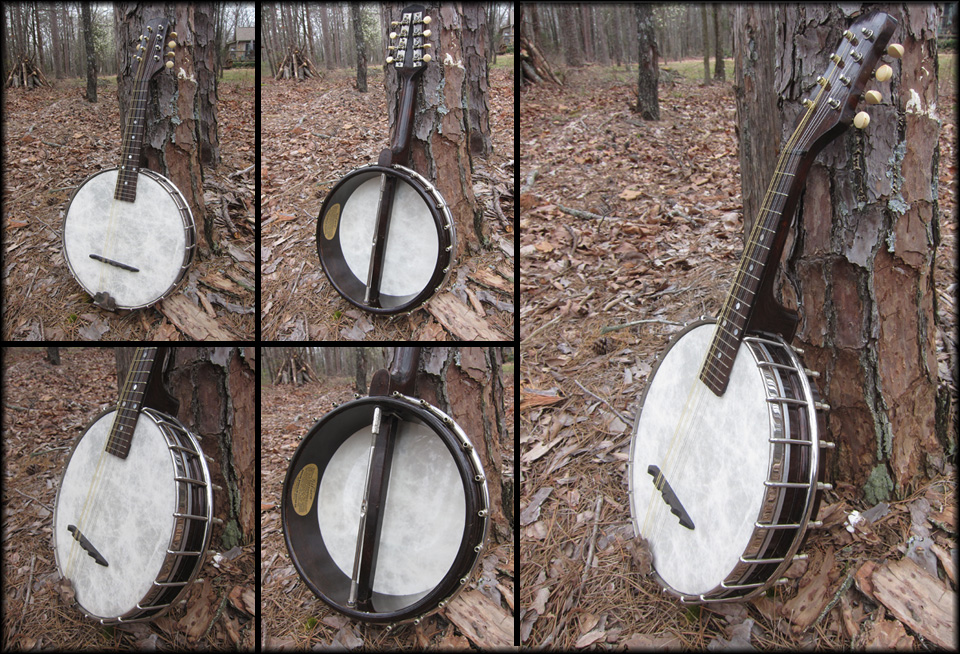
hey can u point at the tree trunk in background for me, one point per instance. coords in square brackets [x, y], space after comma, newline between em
[466, 384]
[862, 261]
[181, 130]
[758, 121]
[648, 103]
[216, 390]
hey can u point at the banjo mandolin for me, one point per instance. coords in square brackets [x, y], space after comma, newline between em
[385, 235]
[725, 468]
[128, 233]
[134, 508]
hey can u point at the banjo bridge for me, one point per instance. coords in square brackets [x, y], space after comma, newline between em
[125, 266]
[676, 508]
[85, 544]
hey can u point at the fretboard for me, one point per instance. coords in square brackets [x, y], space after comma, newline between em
[131, 401]
[132, 141]
[715, 372]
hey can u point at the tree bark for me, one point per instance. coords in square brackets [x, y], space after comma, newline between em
[648, 102]
[862, 262]
[181, 133]
[439, 144]
[758, 121]
[215, 387]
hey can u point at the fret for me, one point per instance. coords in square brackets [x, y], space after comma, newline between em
[731, 322]
[128, 174]
[130, 403]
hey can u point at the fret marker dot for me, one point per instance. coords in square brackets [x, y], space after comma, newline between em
[738, 306]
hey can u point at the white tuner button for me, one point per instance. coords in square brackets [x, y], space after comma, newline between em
[884, 73]
[427, 58]
[169, 64]
[861, 120]
[873, 97]
[426, 20]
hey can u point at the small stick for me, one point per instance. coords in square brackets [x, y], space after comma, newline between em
[613, 328]
[626, 421]
[593, 539]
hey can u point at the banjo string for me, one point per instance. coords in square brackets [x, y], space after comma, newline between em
[678, 452]
[135, 118]
[90, 508]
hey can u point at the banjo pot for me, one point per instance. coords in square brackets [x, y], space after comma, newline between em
[420, 240]
[127, 254]
[131, 533]
[432, 525]
[724, 488]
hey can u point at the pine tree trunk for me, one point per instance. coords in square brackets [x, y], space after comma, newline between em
[863, 259]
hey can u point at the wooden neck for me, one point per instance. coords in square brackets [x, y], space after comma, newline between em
[132, 141]
[399, 150]
[754, 277]
[131, 402]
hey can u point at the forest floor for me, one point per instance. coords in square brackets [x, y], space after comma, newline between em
[314, 133]
[663, 248]
[53, 140]
[45, 410]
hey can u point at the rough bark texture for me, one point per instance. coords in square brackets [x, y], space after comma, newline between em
[465, 383]
[216, 392]
[758, 122]
[216, 387]
[439, 143]
[648, 102]
[863, 258]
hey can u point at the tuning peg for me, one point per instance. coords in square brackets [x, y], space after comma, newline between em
[428, 45]
[895, 50]
[393, 35]
[394, 22]
[426, 33]
[426, 20]
[861, 120]
[389, 60]
[169, 64]
[427, 58]
[884, 73]
[149, 28]
[873, 97]
[173, 35]
[172, 45]
[171, 54]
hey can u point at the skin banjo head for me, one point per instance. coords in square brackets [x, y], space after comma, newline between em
[404, 556]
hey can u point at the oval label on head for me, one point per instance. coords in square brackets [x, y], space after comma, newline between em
[304, 489]
[330, 221]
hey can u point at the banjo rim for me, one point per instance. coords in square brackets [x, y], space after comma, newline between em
[476, 495]
[442, 219]
[186, 217]
[756, 572]
[179, 568]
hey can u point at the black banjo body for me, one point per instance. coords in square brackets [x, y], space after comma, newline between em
[385, 507]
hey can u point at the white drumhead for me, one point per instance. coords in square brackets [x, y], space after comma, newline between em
[413, 246]
[716, 462]
[425, 510]
[124, 507]
[147, 234]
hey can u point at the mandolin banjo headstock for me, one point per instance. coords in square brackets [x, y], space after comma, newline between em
[149, 52]
[832, 103]
[409, 41]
